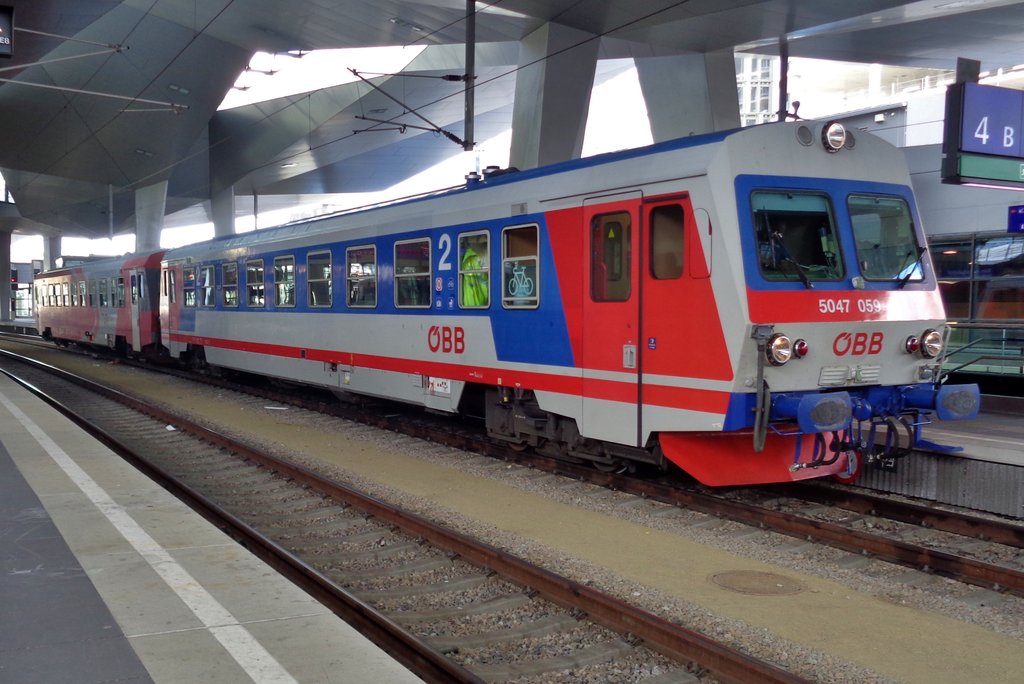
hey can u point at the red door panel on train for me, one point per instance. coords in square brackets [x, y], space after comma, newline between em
[611, 312]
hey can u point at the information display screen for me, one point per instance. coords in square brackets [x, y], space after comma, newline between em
[6, 31]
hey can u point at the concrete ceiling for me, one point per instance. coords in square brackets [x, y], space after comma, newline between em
[79, 134]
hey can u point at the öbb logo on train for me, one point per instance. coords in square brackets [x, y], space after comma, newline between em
[858, 344]
[446, 339]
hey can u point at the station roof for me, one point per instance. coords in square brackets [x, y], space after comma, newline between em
[103, 97]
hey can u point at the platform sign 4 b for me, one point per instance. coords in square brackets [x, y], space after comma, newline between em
[984, 136]
[6, 31]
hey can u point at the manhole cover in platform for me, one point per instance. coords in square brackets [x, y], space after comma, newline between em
[758, 583]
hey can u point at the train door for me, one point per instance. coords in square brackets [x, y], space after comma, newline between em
[136, 283]
[611, 311]
[683, 341]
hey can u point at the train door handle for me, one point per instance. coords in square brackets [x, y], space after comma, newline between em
[629, 356]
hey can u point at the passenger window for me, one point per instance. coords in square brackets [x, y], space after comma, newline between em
[104, 293]
[474, 270]
[207, 286]
[81, 293]
[610, 258]
[666, 242]
[254, 284]
[284, 280]
[172, 291]
[412, 273]
[361, 267]
[135, 288]
[520, 287]
[120, 292]
[93, 285]
[189, 286]
[64, 294]
[318, 279]
[229, 280]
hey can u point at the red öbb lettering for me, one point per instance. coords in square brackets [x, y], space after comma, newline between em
[858, 344]
[446, 339]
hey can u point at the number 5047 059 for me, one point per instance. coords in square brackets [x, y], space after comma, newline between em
[842, 306]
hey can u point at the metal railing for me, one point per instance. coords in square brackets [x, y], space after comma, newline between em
[988, 348]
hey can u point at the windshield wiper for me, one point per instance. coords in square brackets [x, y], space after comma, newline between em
[912, 266]
[776, 238]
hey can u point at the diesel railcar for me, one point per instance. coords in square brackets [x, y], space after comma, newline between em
[752, 306]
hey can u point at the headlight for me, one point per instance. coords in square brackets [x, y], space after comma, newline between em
[833, 136]
[931, 344]
[779, 349]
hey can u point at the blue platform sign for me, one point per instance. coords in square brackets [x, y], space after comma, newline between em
[993, 119]
[6, 30]
[1015, 221]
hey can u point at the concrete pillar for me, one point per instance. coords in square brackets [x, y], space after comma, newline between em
[51, 252]
[689, 94]
[150, 206]
[222, 206]
[5, 276]
[552, 96]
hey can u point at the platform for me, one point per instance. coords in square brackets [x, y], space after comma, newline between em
[106, 577]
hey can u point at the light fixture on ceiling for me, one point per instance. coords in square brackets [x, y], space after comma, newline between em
[406, 24]
[142, 152]
[178, 89]
[378, 110]
[288, 165]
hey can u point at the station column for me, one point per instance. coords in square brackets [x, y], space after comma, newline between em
[222, 207]
[5, 272]
[689, 94]
[552, 95]
[150, 206]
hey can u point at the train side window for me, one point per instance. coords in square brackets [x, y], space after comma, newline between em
[135, 288]
[284, 280]
[610, 257]
[51, 297]
[172, 290]
[254, 285]
[474, 270]
[318, 279]
[229, 281]
[207, 286]
[120, 292]
[81, 293]
[666, 224]
[64, 287]
[412, 273]
[189, 286]
[93, 285]
[361, 270]
[520, 274]
[104, 292]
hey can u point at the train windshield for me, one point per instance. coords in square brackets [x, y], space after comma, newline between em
[887, 247]
[796, 236]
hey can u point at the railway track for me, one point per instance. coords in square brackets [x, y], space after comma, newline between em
[980, 551]
[449, 607]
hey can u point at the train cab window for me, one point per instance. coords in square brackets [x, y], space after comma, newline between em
[81, 293]
[207, 286]
[229, 283]
[610, 257]
[520, 284]
[412, 273]
[254, 284]
[796, 236]
[188, 278]
[120, 292]
[284, 281]
[474, 270]
[883, 231]
[104, 293]
[361, 278]
[318, 279]
[666, 224]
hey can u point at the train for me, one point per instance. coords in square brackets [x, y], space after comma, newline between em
[748, 306]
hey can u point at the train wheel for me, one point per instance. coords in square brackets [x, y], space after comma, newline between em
[854, 465]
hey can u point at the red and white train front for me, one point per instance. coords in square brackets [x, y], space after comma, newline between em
[843, 323]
